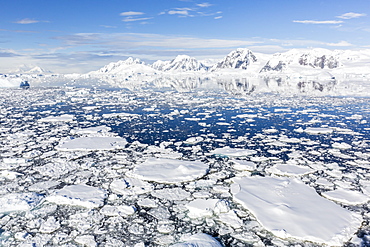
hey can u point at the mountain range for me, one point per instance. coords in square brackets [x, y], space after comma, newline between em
[241, 60]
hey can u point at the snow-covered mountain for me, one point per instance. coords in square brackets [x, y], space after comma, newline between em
[127, 66]
[26, 69]
[182, 63]
[315, 58]
[237, 59]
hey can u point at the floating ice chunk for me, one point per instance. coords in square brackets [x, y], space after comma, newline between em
[289, 208]
[172, 194]
[346, 196]
[120, 115]
[147, 202]
[61, 118]
[341, 145]
[247, 115]
[290, 170]
[79, 195]
[198, 240]
[92, 143]
[233, 152]
[201, 208]
[14, 161]
[91, 130]
[169, 170]
[10, 174]
[121, 210]
[86, 240]
[42, 186]
[244, 165]
[50, 225]
[19, 202]
[194, 140]
[130, 186]
[230, 218]
[317, 131]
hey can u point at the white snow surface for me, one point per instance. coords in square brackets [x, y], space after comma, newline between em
[198, 240]
[233, 152]
[92, 143]
[79, 195]
[290, 209]
[169, 170]
[19, 202]
[345, 196]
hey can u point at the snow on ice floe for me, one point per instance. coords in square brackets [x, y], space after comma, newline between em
[92, 130]
[14, 202]
[169, 170]
[317, 131]
[290, 170]
[92, 143]
[61, 118]
[290, 209]
[79, 195]
[200, 240]
[233, 152]
[346, 196]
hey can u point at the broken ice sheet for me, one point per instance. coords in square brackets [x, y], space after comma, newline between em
[290, 209]
[92, 143]
[169, 170]
[79, 195]
[19, 202]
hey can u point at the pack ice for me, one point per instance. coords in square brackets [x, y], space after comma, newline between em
[290, 209]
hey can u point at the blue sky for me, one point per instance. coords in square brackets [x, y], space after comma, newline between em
[83, 35]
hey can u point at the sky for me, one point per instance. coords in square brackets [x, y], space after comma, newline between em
[78, 36]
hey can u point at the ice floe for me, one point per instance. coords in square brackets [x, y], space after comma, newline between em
[79, 195]
[345, 196]
[233, 152]
[290, 209]
[317, 131]
[92, 143]
[169, 170]
[14, 202]
[200, 240]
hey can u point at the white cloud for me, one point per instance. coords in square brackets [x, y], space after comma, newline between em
[318, 22]
[218, 17]
[341, 43]
[351, 15]
[178, 12]
[131, 13]
[28, 21]
[130, 19]
[204, 5]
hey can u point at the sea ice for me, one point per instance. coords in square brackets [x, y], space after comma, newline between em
[79, 195]
[290, 170]
[92, 143]
[289, 208]
[233, 152]
[317, 131]
[19, 202]
[91, 130]
[61, 118]
[121, 210]
[346, 196]
[198, 240]
[169, 170]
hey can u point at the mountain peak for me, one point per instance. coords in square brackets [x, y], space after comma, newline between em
[240, 58]
[181, 63]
